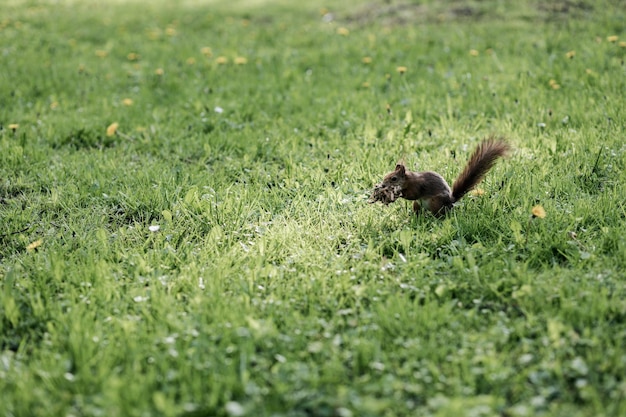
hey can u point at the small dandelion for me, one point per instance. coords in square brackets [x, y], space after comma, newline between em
[54, 105]
[132, 56]
[101, 53]
[388, 108]
[570, 54]
[241, 60]
[365, 84]
[538, 211]
[159, 71]
[191, 61]
[127, 102]
[622, 44]
[554, 84]
[34, 245]
[170, 31]
[14, 126]
[154, 34]
[612, 38]
[477, 192]
[221, 60]
[473, 52]
[82, 68]
[589, 71]
[343, 31]
[366, 60]
[206, 51]
[112, 128]
[401, 69]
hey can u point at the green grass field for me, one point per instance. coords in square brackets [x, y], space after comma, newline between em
[184, 227]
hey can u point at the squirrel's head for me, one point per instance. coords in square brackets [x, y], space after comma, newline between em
[390, 189]
[395, 177]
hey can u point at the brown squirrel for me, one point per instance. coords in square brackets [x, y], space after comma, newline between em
[430, 190]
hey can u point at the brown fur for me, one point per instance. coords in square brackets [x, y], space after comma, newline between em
[481, 161]
[430, 190]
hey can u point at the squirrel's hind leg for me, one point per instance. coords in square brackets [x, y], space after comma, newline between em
[440, 206]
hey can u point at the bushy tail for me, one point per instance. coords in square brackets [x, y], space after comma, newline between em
[481, 161]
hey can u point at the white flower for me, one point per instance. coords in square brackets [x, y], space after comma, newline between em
[154, 228]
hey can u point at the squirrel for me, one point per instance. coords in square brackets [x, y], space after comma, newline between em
[429, 190]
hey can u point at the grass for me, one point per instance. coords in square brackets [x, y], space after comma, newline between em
[271, 287]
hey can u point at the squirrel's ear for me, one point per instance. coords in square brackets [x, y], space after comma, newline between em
[400, 169]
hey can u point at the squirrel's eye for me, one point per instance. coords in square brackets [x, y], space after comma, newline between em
[394, 178]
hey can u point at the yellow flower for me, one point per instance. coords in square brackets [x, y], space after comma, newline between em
[154, 34]
[221, 60]
[401, 69]
[622, 44]
[589, 71]
[477, 192]
[191, 60]
[343, 31]
[132, 56]
[127, 102]
[159, 71]
[101, 53]
[570, 54]
[112, 129]
[34, 245]
[240, 60]
[613, 38]
[473, 52]
[366, 60]
[554, 84]
[538, 211]
[54, 105]
[206, 51]
[170, 31]
[365, 84]
[13, 126]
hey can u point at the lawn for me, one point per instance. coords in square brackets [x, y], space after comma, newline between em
[184, 225]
